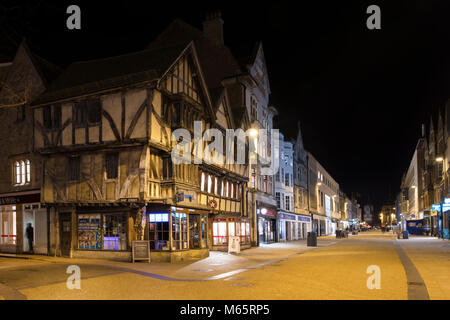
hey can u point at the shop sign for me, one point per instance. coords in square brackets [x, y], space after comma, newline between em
[234, 244]
[266, 212]
[141, 250]
[445, 207]
[303, 218]
[286, 216]
[18, 199]
[129, 200]
[436, 207]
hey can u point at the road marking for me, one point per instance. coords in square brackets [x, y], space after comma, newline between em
[417, 290]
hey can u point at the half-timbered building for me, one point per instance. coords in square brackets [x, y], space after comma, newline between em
[104, 129]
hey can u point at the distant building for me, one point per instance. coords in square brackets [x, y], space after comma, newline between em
[368, 215]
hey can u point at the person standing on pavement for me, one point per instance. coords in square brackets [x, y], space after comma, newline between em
[30, 235]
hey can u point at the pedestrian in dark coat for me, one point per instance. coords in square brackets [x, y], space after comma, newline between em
[30, 235]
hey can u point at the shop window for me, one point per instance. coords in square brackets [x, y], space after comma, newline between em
[8, 230]
[22, 172]
[194, 231]
[89, 231]
[102, 231]
[204, 231]
[114, 232]
[220, 236]
[230, 227]
[112, 165]
[179, 231]
[159, 231]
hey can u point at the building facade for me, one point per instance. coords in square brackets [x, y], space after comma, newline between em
[110, 174]
[22, 79]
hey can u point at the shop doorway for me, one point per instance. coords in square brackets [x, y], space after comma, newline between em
[28, 218]
[65, 224]
[194, 231]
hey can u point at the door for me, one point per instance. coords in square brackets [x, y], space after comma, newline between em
[194, 231]
[66, 234]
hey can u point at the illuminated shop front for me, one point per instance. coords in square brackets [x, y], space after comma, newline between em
[102, 231]
[293, 226]
[223, 228]
[287, 226]
[8, 227]
[266, 224]
[17, 211]
[177, 230]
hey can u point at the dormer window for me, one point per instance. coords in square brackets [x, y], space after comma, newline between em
[22, 172]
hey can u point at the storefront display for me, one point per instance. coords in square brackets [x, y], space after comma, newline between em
[177, 229]
[8, 229]
[225, 227]
[102, 232]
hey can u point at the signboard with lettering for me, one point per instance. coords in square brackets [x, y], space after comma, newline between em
[436, 207]
[141, 250]
[303, 218]
[234, 244]
[21, 198]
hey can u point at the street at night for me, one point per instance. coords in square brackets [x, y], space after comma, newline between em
[336, 269]
[236, 159]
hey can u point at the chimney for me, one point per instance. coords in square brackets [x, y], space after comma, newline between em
[213, 28]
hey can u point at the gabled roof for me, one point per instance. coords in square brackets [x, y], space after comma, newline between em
[16, 73]
[217, 62]
[86, 77]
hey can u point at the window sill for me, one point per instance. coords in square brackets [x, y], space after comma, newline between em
[22, 184]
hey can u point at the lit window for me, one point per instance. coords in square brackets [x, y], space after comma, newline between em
[27, 170]
[209, 184]
[22, 172]
[202, 184]
[216, 185]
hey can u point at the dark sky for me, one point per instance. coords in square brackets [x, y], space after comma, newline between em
[361, 95]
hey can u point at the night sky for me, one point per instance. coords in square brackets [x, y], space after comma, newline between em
[361, 95]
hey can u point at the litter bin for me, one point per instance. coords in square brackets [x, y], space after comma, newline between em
[311, 240]
[405, 235]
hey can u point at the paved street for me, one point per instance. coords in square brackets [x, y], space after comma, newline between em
[416, 268]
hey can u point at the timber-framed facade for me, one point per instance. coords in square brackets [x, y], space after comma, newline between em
[104, 130]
